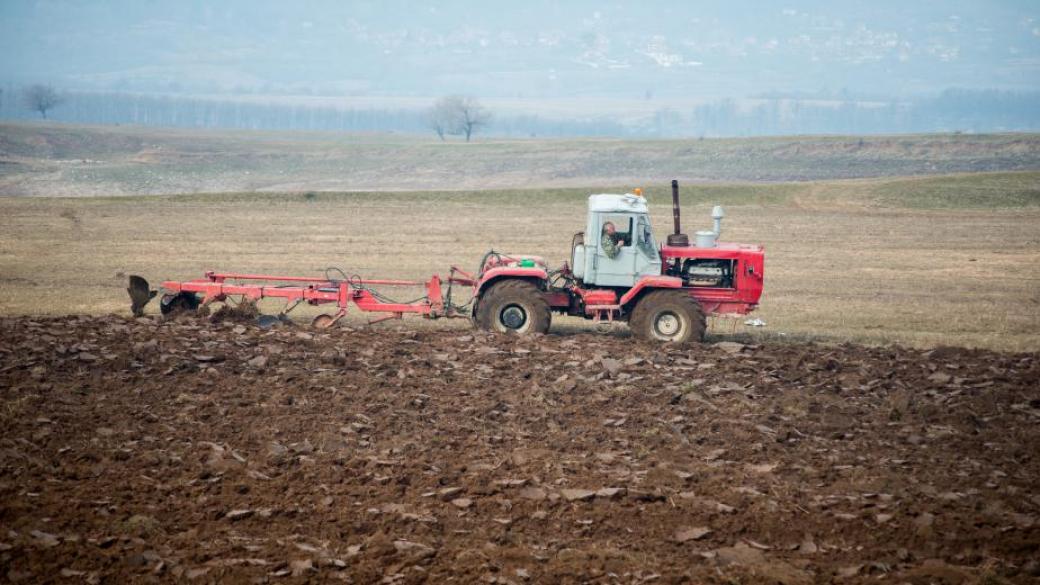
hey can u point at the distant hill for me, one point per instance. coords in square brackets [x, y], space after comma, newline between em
[39, 159]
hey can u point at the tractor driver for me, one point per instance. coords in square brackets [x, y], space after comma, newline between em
[609, 241]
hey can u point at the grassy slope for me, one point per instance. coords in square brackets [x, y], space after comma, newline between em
[79, 160]
[1000, 190]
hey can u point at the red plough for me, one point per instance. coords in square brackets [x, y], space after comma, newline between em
[219, 286]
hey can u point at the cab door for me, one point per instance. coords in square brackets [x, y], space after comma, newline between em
[647, 259]
[619, 270]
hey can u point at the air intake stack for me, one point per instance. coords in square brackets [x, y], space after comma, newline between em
[706, 239]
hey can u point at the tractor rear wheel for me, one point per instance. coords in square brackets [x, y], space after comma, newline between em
[179, 303]
[668, 315]
[513, 306]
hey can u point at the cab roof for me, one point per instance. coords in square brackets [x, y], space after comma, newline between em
[628, 203]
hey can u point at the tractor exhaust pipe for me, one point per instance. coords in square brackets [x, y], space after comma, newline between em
[677, 238]
[675, 206]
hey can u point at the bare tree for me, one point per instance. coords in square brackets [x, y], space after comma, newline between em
[473, 116]
[456, 114]
[41, 98]
[441, 117]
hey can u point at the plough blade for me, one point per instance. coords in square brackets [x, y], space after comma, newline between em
[271, 321]
[140, 294]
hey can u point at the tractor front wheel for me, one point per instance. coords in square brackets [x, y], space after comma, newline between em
[513, 306]
[668, 315]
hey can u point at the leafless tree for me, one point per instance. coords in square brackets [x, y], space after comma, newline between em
[456, 114]
[441, 118]
[41, 98]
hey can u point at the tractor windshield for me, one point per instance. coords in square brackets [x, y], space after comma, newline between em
[645, 238]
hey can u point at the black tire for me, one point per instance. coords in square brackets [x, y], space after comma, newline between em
[181, 302]
[670, 316]
[513, 306]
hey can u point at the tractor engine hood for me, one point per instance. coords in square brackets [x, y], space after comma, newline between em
[497, 260]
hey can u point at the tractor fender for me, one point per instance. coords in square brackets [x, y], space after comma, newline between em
[490, 277]
[537, 275]
[647, 284]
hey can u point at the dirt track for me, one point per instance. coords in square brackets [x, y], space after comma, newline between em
[140, 450]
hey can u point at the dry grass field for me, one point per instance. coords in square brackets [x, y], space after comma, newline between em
[948, 260]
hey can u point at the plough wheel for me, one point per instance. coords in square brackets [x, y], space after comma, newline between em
[323, 321]
[179, 303]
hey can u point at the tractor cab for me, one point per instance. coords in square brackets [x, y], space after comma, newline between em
[637, 250]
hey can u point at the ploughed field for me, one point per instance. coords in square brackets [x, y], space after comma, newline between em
[186, 449]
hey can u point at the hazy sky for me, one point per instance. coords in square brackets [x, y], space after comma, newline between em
[530, 49]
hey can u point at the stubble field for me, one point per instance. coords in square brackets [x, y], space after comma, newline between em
[866, 260]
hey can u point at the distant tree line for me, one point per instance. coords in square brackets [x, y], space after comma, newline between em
[188, 112]
[954, 110]
[951, 111]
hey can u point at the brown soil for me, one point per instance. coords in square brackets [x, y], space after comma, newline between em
[146, 450]
[244, 312]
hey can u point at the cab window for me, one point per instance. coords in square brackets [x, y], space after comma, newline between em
[622, 226]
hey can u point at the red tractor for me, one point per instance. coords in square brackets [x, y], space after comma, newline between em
[617, 272]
